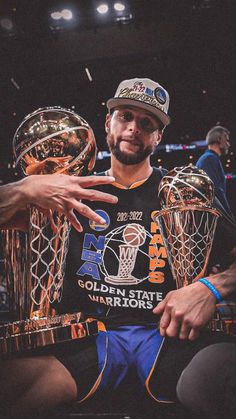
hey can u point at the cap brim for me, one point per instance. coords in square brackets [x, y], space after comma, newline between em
[114, 102]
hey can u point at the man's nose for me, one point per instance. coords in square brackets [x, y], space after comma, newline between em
[134, 126]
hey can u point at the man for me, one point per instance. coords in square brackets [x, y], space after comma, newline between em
[218, 144]
[118, 273]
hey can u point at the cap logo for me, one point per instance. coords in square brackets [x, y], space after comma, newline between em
[149, 91]
[160, 94]
[138, 86]
[129, 93]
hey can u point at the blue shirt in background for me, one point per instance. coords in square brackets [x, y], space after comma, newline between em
[211, 164]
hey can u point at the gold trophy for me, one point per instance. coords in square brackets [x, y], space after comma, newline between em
[187, 222]
[49, 141]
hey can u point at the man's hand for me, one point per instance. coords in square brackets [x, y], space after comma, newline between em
[62, 193]
[185, 311]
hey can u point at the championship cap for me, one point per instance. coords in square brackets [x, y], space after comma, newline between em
[145, 94]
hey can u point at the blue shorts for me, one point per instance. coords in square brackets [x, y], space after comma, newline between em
[124, 349]
[101, 363]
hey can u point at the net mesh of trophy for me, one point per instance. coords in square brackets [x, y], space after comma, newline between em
[187, 221]
[48, 141]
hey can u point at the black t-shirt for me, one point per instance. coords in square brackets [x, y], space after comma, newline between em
[118, 272]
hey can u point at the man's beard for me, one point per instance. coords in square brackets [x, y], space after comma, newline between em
[128, 158]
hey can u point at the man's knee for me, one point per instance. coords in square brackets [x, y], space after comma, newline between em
[201, 383]
[60, 379]
[37, 378]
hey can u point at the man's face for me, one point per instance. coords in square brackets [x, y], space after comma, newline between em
[224, 143]
[132, 134]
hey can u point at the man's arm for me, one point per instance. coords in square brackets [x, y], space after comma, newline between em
[62, 193]
[12, 204]
[184, 312]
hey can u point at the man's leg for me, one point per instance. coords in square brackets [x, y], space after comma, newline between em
[207, 385]
[34, 383]
[174, 358]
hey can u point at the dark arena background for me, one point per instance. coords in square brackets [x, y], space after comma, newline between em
[67, 53]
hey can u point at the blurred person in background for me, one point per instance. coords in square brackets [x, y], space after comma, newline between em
[218, 144]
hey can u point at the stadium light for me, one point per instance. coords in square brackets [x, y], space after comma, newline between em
[119, 7]
[102, 8]
[56, 15]
[67, 14]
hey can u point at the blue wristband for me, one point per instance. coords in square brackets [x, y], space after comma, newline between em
[211, 287]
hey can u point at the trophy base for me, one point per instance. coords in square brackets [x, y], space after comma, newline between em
[36, 333]
[226, 326]
[224, 319]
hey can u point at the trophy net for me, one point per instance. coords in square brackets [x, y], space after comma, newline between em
[48, 248]
[188, 236]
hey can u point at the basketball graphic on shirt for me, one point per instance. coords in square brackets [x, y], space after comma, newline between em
[124, 246]
[134, 235]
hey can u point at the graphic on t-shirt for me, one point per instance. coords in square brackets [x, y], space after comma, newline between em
[114, 256]
[115, 264]
[134, 236]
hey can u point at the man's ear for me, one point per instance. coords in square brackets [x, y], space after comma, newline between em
[107, 122]
[158, 137]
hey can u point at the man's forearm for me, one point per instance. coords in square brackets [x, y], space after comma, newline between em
[12, 200]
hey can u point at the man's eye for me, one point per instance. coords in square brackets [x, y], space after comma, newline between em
[147, 124]
[127, 116]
